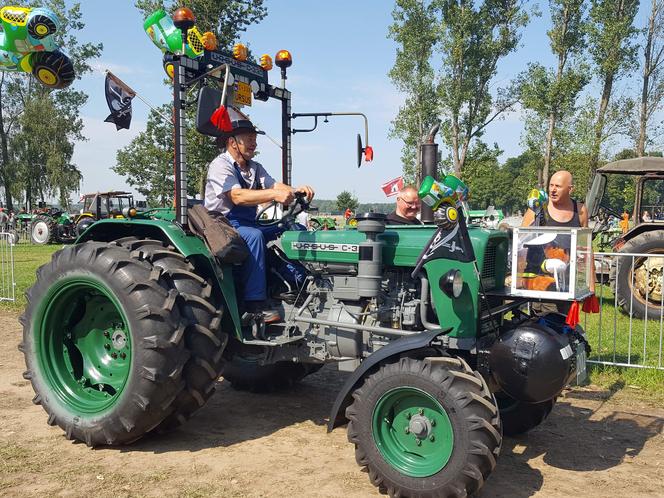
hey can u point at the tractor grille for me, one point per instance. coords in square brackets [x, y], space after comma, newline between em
[489, 267]
[14, 15]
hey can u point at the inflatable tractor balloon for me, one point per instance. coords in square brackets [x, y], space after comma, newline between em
[27, 45]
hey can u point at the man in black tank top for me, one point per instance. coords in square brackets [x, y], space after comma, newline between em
[561, 210]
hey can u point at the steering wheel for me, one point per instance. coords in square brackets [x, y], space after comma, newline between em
[297, 206]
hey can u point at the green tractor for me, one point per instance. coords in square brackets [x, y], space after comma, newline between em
[127, 331]
[51, 225]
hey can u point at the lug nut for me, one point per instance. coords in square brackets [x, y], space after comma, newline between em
[420, 411]
[433, 423]
[406, 430]
[432, 438]
[123, 355]
[408, 415]
[107, 346]
[418, 442]
[107, 334]
[114, 356]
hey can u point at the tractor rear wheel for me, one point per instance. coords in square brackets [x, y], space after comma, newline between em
[425, 428]
[42, 230]
[104, 343]
[244, 372]
[202, 314]
[640, 291]
[519, 417]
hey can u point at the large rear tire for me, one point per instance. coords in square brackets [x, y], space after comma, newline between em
[42, 230]
[519, 417]
[425, 428]
[244, 372]
[53, 69]
[640, 292]
[202, 314]
[103, 342]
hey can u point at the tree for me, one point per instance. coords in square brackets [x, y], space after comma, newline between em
[473, 40]
[553, 94]
[414, 29]
[147, 161]
[24, 104]
[346, 200]
[227, 19]
[610, 35]
[652, 90]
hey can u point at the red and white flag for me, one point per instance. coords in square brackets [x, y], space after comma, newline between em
[393, 187]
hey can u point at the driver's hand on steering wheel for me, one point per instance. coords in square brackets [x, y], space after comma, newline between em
[307, 190]
[284, 196]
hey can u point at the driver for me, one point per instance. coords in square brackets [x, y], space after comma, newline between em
[235, 186]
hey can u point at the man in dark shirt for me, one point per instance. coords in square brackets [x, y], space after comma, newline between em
[407, 208]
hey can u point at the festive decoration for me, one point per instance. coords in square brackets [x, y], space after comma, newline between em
[118, 98]
[393, 187]
[27, 45]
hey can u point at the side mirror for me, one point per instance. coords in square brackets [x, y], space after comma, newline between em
[367, 151]
[209, 100]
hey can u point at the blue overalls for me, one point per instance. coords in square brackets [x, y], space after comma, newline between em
[243, 219]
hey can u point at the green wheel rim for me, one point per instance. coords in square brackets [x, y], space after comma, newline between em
[83, 345]
[412, 432]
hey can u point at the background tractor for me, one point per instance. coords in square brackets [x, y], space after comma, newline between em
[100, 206]
[127, 331]
[51, 225]
[638, 286]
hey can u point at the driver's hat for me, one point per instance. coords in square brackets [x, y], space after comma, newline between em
[240, 123]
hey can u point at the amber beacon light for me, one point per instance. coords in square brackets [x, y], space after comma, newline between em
[283, 59]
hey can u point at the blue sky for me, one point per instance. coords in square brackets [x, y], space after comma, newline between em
[341, 57]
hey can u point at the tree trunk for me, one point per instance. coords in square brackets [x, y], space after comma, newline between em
[4, 154]
[599, 126]
[647, 70]
[455, 146]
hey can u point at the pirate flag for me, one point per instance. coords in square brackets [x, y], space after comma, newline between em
[118, 97]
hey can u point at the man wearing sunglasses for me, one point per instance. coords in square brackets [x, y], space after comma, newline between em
[407, 208]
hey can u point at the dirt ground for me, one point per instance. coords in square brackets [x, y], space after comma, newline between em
[244, 445]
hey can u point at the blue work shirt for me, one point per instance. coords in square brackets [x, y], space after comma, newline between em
[221, 178]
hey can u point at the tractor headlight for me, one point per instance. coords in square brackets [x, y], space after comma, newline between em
[452, 283]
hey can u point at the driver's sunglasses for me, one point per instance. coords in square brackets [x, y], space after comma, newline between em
[408, 203]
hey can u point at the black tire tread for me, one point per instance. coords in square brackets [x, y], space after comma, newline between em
[203, 336]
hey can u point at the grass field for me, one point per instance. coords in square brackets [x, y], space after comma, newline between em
[639, 344]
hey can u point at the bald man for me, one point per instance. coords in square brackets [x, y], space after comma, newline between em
[562, 210]
[408, 205]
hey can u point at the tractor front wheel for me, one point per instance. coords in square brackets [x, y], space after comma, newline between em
[53, 69]
[425, 428]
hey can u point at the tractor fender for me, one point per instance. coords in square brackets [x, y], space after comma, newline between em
[371, 364]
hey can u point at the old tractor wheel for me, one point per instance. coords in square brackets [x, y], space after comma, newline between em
[639, 292]
[202, 314]
[103, 341]
[53, 69]
[519, 417]
[425, 428]
[244, 372]
[42, 230]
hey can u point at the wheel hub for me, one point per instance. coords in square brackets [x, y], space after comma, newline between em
[648, 279]
[420, 426]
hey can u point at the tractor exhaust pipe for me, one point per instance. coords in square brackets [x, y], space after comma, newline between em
[429, 150]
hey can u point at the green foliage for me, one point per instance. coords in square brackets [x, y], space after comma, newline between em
[35, 152]
[472, 41]
[346, 200]
[414, 29]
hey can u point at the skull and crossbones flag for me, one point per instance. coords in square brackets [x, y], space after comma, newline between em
[118, 97]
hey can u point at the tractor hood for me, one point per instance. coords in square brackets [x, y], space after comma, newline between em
[402, 245]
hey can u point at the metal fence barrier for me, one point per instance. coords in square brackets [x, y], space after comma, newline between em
[7, 276]
[629, 329]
